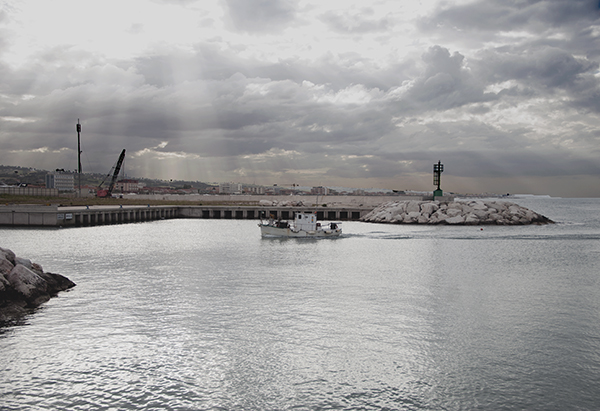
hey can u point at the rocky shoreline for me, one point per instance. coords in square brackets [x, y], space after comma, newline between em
[24, 286]
[475, 212]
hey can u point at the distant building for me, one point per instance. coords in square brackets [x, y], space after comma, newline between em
[127, 186]
[323, 191]
[253, 189]
[230, 188]
[61, 180]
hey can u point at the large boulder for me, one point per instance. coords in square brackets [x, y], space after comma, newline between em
[24, 285]
[27, 283]
[428, 209]
[4, 284]
[459, 219]
[8, 255]
[453, 212]
[413, 206]
[5, 267]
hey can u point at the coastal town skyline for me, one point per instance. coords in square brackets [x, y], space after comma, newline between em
[337, 94]
[29, 177]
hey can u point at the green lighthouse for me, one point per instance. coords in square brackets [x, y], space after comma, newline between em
[438, 169]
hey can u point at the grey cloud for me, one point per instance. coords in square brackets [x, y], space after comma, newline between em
[355, 117]
[507, 15]
[502, 163]
[547, 66]
[58, 68]
[208, 62]
[261, 15]
[176, 2]
[542, 71]
[335, 70]
[445, 83]
[355, 22]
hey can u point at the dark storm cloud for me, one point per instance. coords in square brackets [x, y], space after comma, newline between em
[542, 71]
[556, 56]
[445, 83]
[507, 15]
[545, 67]
[261, 15]
[523, 102]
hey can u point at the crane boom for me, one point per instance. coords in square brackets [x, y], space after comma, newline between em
[117, 168]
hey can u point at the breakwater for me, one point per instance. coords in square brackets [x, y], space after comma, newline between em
[476, 212]
[405, 212]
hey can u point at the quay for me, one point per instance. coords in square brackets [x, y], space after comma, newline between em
[83, 216]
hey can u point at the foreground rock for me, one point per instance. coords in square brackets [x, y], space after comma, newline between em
[454, 212]
[24, 285]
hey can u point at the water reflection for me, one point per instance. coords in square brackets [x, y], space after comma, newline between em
[208, 315]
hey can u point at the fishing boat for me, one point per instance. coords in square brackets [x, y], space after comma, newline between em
[305, 224]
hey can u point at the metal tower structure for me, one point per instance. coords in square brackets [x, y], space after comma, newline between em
[438, 169]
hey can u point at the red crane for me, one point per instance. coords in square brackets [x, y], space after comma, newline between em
[103, 193]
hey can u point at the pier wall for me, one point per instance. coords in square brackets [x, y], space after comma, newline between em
[30, 191]
[277, 212]
[81, 216]
[55, 216]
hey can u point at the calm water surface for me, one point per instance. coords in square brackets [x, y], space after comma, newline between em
[206, 315]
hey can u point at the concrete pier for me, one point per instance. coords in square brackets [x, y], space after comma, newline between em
[82, 216]
[79, 216]
[277, 212]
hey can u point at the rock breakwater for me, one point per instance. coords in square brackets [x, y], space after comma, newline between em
[275, 203]
[24, 285]
[476, 212]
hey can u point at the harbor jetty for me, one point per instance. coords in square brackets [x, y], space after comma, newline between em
[83, 216]
[390, 209]
[134, 210]
[475, 212]
[24, 285]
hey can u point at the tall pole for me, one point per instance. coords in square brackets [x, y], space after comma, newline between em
[79, 156]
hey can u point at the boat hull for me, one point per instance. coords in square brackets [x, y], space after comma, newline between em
[270, 231]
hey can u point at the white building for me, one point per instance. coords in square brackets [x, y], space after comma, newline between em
[61, 180]
[319, 190]
[127, 186]
[254, 189]
[230, 188]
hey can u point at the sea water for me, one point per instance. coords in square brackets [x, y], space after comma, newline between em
[207, 315]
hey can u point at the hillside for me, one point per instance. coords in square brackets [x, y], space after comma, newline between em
[14, 175]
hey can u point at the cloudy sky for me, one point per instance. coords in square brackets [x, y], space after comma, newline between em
[354, 93]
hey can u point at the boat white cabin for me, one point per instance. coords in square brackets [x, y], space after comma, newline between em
[305, 224]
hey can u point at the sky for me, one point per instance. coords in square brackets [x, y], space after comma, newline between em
[352, 93]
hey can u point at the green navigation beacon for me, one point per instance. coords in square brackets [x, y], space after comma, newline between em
[438, 169]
